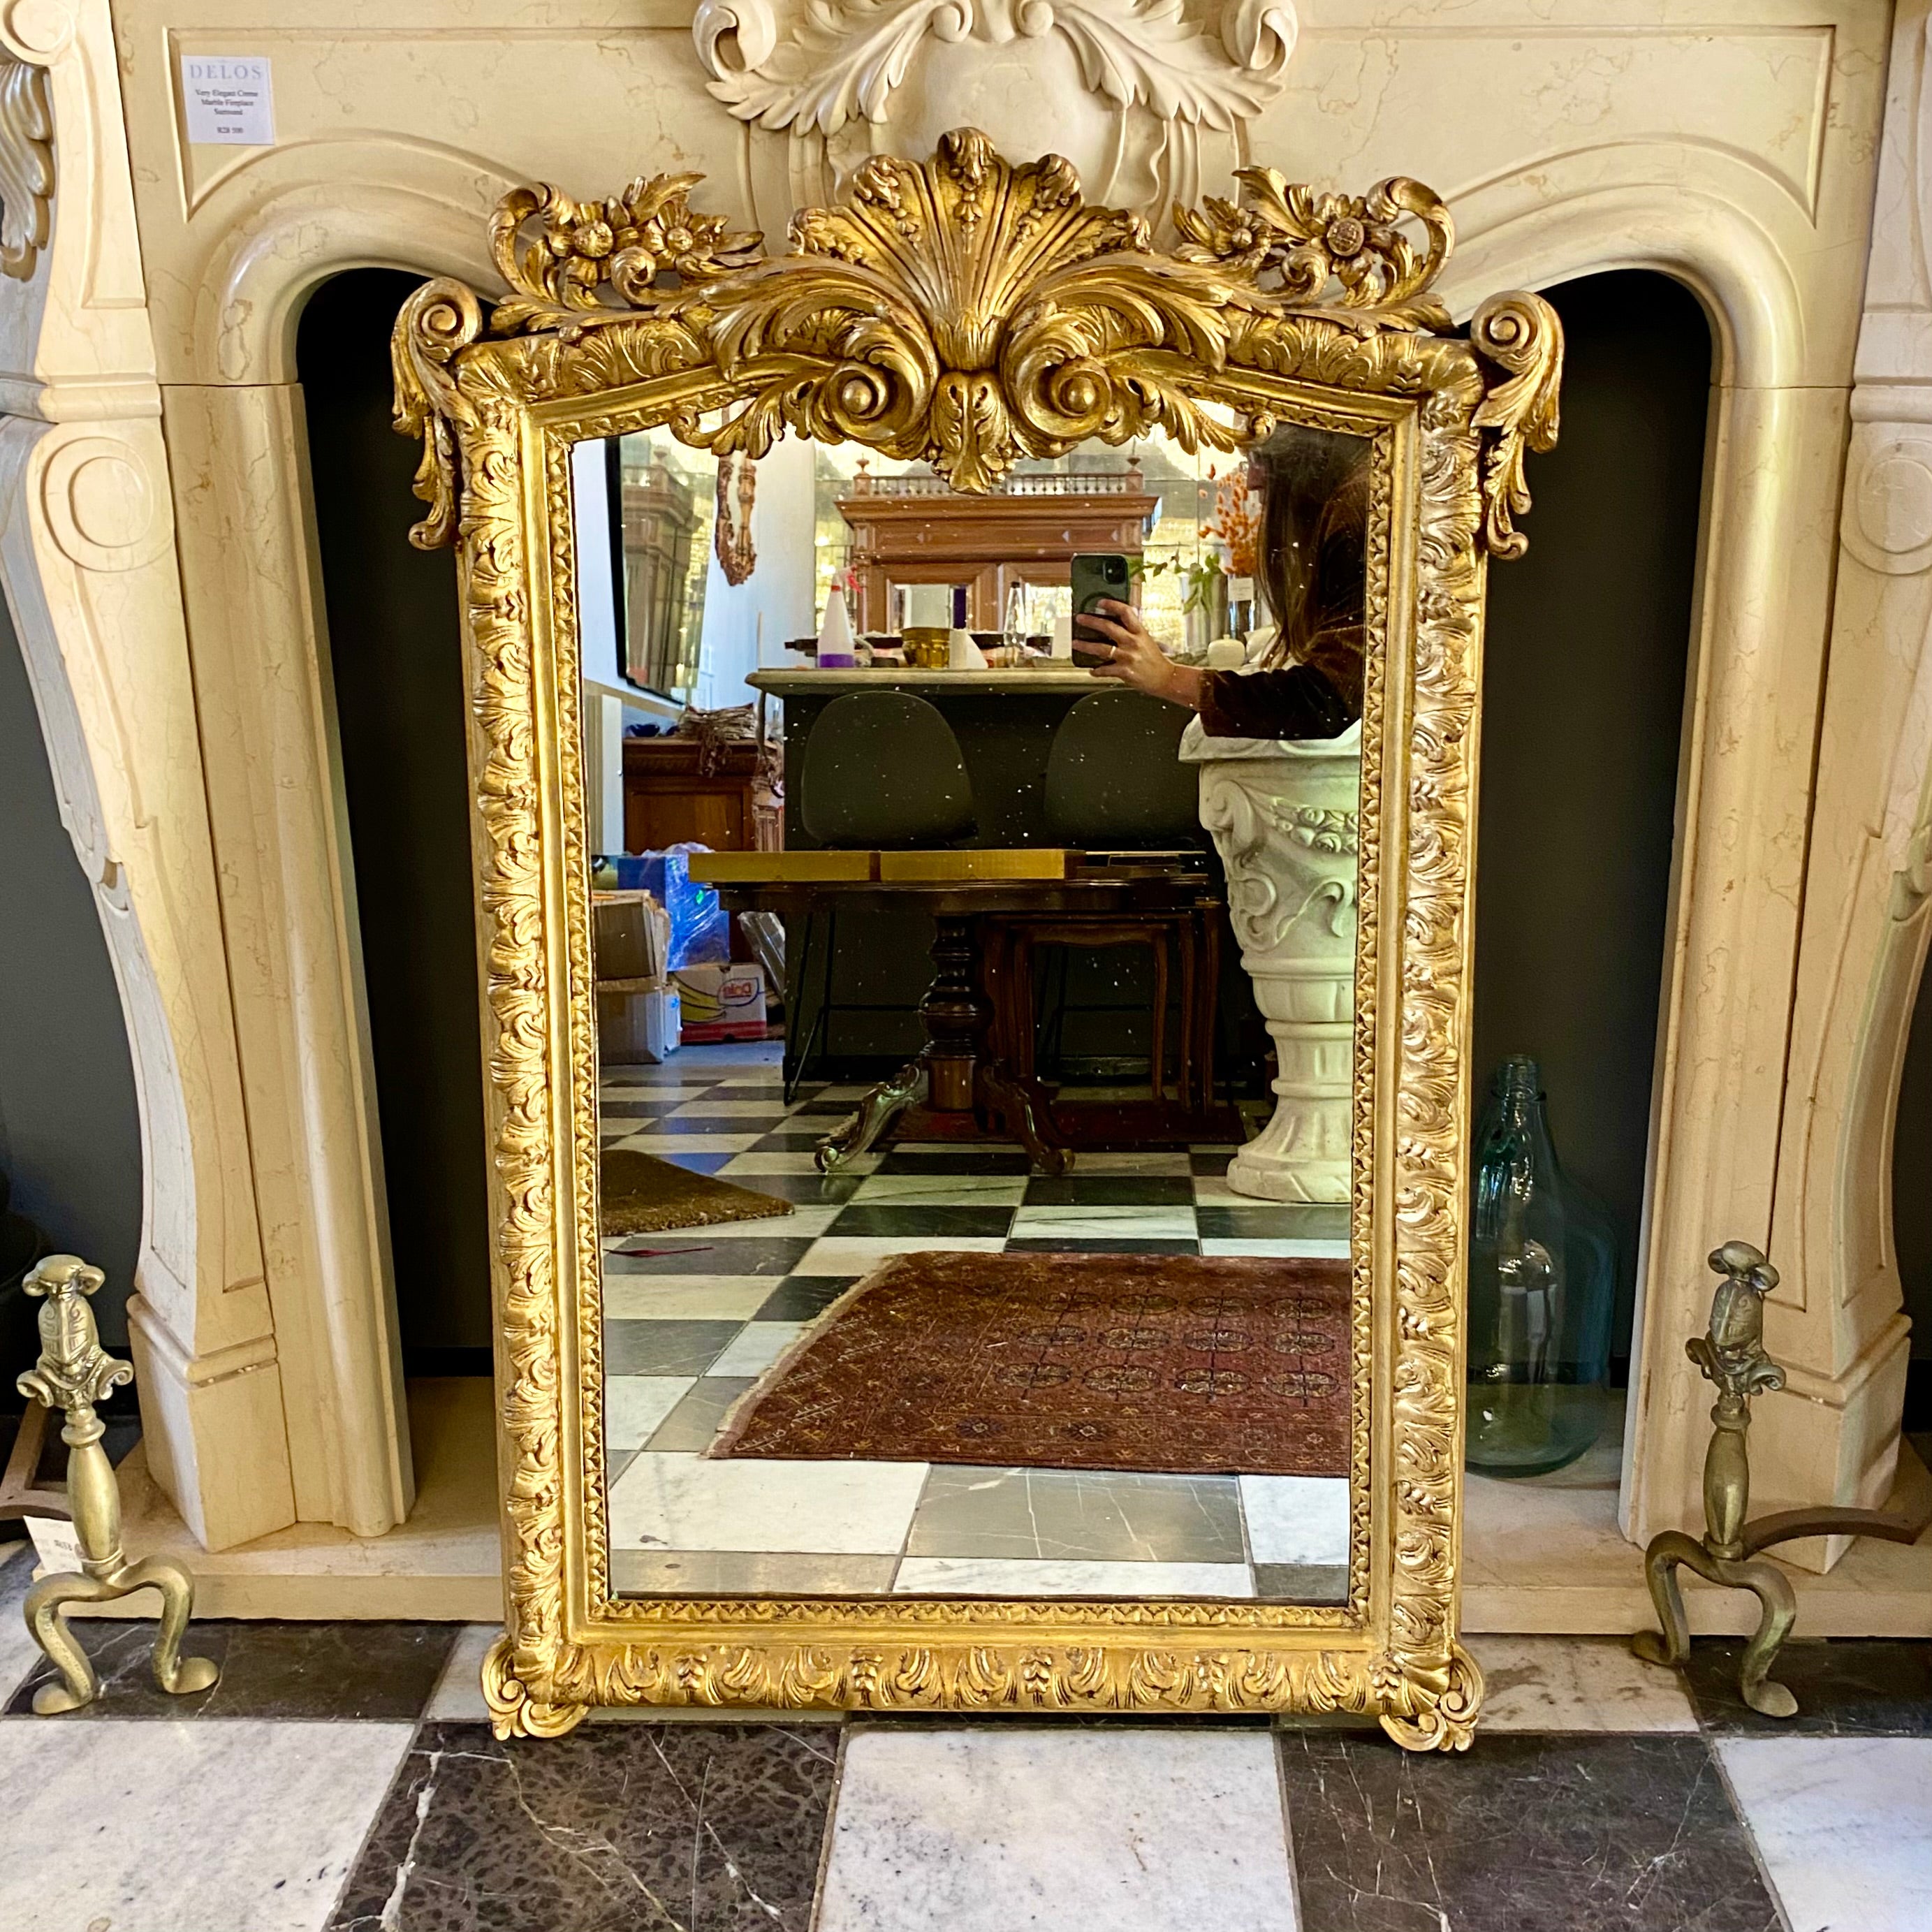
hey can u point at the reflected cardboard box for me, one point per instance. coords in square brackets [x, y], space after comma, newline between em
[722, 1002]
[637, 1028]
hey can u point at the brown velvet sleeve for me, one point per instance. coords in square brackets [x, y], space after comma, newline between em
[1298, 701]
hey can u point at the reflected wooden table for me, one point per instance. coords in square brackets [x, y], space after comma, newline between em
[958, 1086]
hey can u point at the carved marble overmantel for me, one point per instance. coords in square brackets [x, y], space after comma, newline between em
[1285, 818]
[185, 695]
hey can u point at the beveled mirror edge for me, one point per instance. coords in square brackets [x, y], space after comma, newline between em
[1237, 309]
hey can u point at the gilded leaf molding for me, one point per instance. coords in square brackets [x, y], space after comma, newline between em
[26, 166]
[968, 310]
[844, 59]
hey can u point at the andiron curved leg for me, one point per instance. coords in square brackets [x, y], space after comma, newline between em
[1660, 1569]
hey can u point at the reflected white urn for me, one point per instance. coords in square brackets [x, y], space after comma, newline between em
[1285, 814]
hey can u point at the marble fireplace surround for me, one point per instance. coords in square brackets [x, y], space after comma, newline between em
[157, 552]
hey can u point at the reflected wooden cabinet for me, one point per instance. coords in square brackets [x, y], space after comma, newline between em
[674, 793]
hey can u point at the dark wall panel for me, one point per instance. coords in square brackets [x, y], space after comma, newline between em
[1911, 1185]
[394, 649]
[1583, 689]
[69, 1131]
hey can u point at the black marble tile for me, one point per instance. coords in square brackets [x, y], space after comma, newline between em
[376, 1670]
[682, 1254]
[1210, 1160]
[878, 1219]
[1270, 1224]
[1846, 1687]
[1111, 1190]
[788, 1140]
[963, 1160]
[1524, 1833]
[617, 1828]
[804, 1296]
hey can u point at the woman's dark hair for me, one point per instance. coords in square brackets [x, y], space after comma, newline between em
[1308, 559]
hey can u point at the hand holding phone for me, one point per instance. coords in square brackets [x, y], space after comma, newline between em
[1096, 578]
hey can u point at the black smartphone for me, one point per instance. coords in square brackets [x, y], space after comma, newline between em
[1097, 576]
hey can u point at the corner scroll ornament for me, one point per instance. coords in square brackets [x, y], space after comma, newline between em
[845, 59]
[968, 312]
[26, 166]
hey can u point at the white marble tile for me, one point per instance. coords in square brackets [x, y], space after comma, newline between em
[1284, 1249]
[740, 1165]
[1296, 1519]
[681, 1142]
[666, 1501]
[1010, 1577]
[941, 1190]
[756, 1347]
[801, 1224]
[458, 1698]
[1171, 1166]
[1844, 1826]
[685, 1297]
[162, 1826]
[859, 1254]
[1576, 1684]
[1104, 1224]
[634, 1405]
[1111, 1829]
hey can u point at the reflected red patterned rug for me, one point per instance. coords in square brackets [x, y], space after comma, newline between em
[1194, 1365]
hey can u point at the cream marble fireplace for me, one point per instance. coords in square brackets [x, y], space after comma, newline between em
[157, 554]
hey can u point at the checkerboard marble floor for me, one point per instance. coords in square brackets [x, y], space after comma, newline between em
[341, 1778]
[693, 1318]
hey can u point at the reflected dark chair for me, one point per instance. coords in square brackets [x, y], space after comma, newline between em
[1115, 783]
[882, 770]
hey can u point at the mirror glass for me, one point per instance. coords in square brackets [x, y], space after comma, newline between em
[975, 1021]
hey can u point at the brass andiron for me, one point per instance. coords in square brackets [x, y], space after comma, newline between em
[1731, 1355]
[73, 1374]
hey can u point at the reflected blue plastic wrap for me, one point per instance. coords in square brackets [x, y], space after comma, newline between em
[701, 928]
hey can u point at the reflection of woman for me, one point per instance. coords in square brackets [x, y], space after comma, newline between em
[1308, 683]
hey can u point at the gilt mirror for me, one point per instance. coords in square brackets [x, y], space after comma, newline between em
[982, 1228]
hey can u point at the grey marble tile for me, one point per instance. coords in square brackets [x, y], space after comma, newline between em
[1102, 1515]
[700, 1251]
[458, 1696]
[1576, 1684]
[617, 1828]
[665, 1348]
[268, 1670]
[1843, 1826]
[747, 1572]
[1023, 1828]
[1846, 1687]
[801, 1297]
[244, 1827]
[1523, 1834]
[691, 1425]
[1302, 1582]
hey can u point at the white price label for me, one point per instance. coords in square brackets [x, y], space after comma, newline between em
[229, 99]
[55, 1544]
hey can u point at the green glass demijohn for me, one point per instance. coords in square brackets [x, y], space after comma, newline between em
[1542, 1284]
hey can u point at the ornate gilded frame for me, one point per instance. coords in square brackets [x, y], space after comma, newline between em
[969, 311]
